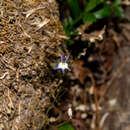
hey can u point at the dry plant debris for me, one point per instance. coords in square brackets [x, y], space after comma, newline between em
[97, 89]
[29, 43]
[92, 37]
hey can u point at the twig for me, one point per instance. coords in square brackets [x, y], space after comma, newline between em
[10, 99]
[3, 76]
[96, 101]
[19, 111]
[103, 119]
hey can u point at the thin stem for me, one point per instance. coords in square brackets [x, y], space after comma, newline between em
[96, 101]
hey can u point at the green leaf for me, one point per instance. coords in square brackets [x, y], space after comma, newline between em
[89, 17]
[117, 2]
[117, 9]
[89, 44]
[74, 7]
[103, 12]
[92, 4]
[119, 12]
[68, 26]
[70, 21]
[69, 42]
[67, 31]
[66, 126]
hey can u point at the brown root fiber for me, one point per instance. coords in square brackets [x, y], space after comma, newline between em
[29, 44]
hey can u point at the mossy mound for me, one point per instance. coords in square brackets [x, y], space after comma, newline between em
[29, 43]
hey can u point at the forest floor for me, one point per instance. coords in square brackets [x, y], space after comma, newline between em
[98, 86]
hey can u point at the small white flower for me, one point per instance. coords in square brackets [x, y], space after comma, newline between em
[63, 64]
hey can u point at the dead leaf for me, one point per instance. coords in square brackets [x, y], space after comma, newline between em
[92, 37]
[79, 71]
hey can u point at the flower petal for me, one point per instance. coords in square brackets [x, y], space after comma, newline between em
[67, 57]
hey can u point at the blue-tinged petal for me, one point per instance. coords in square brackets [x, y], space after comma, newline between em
[61, 58]
[69, 69]
[63, 71]
[56, 68]
[63, 64]
[67, 57]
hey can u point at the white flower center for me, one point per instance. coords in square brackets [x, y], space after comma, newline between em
[63, 65]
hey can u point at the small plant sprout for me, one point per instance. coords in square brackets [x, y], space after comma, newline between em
[63, 64]
[70, 113]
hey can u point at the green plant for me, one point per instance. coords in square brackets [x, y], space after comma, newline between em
[92, 12]
[65, 126]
